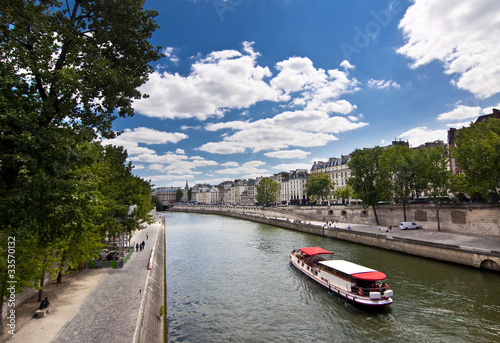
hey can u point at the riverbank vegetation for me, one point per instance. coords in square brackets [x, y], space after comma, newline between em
[67, 70]
[401, 174]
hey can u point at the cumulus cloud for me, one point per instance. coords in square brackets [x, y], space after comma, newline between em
[346, 65]
[172, 163]
[422, 135]
[461, 112]
[382, 84]
[130, 139]
[295, 154]
[291, 166]
[315, 88]
[461, 34]
[171, 54]
[248, 168]
[287, 129]
[220, 81]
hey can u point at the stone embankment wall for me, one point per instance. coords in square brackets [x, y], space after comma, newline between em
[444, 252]
[475, 218]
[151, 324]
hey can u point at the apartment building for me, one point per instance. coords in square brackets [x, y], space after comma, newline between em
[297, 187]
[165, 194]
[337, 168]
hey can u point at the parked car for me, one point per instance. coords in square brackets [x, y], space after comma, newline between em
[408, 226]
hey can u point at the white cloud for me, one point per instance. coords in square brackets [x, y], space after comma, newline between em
[171, 54]
[287, 129]
[130, 139]
[382, 84]
[222, 80]
[346, 65]
[488, 110]
[248, 168]
[292, 166]
[461, 112]
[315, 89]
[295, 154]
[421, 135]
[462, 34]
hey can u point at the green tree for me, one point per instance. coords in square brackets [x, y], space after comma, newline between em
[477, 153]
[319, 185]
[399, 161]
[368, 181]
[78, 61]
[437, 175]
[155, 200]
[68, 69]
[179, 194]
[267, 191]
[344, 193]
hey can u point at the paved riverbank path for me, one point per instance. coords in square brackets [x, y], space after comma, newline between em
[110, 314]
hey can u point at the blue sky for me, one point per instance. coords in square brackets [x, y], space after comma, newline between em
[250, 88]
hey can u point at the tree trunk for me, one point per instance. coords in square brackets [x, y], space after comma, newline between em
[42, 283]
[404, 210]
[437, 215]
[375, 214]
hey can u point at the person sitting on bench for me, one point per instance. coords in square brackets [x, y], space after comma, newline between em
[44, 304]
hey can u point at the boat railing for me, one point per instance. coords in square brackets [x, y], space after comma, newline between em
[367, 290]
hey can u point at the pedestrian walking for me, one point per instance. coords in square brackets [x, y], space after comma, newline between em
[147, 235]
[143, 244]
[136, 246]
[140, 247]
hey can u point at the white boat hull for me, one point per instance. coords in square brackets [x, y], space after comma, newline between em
[340, 286]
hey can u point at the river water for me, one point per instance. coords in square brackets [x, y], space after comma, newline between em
[229, 280]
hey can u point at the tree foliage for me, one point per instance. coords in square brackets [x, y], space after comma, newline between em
[477, 153]
[179, 194]
[267, 191]
[319, 185]
[344, 193]
[78, 61]
[401, 163]
[436, 174]
[369, 181]
[67, 70]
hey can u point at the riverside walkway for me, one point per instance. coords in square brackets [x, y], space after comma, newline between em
[101, 305]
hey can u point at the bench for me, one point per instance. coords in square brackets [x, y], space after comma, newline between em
[44, 311]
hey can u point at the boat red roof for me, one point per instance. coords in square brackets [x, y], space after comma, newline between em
[312, 251]
[370, 276]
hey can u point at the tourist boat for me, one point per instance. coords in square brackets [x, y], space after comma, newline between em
[356, 283]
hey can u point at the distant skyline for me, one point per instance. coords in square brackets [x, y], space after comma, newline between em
[249, 88]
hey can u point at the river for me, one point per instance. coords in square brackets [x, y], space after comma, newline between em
[229, 280]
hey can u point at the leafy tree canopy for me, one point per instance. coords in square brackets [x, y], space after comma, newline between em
[76, 62]
[267, 191]
[477, 153]
[319, 185]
